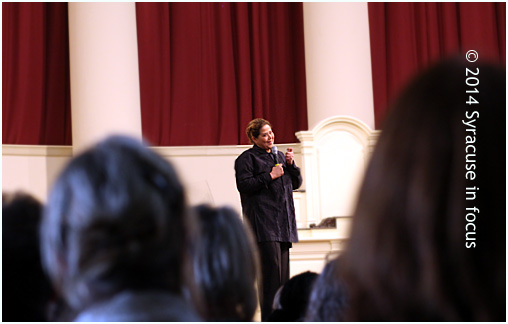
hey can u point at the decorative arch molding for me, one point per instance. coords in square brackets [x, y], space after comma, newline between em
[349, 124]
[335, 154]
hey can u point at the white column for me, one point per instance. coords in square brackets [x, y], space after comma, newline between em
[309, 169]
[338, 62]
[104, 72]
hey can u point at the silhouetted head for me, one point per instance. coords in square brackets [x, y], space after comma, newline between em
[328, 299]
[226, 265]
[292, 299]
[414, 252]
[26, 289]
[116, 219]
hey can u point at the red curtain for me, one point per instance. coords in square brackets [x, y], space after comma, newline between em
[407, 37]
[207, 69]
[35, 74]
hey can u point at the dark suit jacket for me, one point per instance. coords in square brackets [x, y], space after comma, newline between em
[268, 204]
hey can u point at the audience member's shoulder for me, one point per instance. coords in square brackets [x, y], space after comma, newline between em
[146, 306]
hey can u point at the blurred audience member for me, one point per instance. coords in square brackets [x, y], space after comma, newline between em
[428, 241]
[115, 235]
[226, 265]
[26, 290]
[328, 299]
[292, 299]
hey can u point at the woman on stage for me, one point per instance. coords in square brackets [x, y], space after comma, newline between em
[266, 179]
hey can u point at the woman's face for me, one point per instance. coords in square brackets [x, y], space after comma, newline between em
[265, 139]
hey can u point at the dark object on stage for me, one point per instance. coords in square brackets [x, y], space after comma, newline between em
[328, 222]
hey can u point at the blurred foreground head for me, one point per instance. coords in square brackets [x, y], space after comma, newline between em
[418, 249]
[226, 265]
[116, 220]
[328, 299]
[291, 300]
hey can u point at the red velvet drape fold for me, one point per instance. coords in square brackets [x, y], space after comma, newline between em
[207, 69]
[407, 37]
[35, 74]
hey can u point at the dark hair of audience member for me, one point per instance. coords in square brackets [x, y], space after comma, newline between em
[26, 290]
[292, 299]
[226, 265]
[328, 299]
[413, 254]
[116, 220]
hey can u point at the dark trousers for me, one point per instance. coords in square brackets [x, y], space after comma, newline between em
[275, 272]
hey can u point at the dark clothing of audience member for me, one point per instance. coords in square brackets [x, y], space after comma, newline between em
[146, 306]
[292, 299]
[26, 289]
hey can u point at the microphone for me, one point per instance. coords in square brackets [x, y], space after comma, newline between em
[274, 152]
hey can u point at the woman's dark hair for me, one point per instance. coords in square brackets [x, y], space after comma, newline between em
[226, 265]
[26, 289]
[411, 254]
[328, 299]
[116, 219]
[254, 127]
